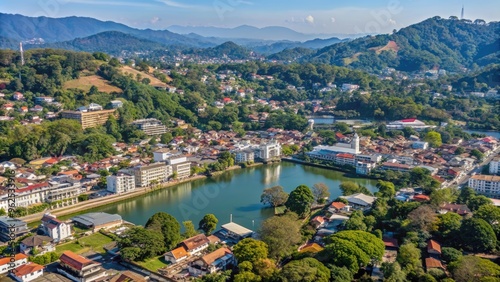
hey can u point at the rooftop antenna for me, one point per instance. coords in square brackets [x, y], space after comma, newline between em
[231, 218]
[22, 53]
[462, 15]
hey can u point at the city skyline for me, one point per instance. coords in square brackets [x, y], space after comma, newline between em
[319, 17]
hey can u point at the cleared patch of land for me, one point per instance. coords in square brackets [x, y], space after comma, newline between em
[390, 46]
[85, 82]
[94, 242]
[154, 81]
[154, 264]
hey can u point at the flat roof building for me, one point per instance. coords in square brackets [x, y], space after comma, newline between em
[236, 231]
[150, 126]
[98, 220]
[88, 119]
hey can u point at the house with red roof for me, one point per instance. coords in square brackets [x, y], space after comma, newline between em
[318, 221]
[54, 228]
[176, 255]
[336, 207]
[27, 272]
[78, 268]
[345, 159]
[390, 243]
[421, 198]
[8, 106]
[433, 248]
[433, 263]
[6, 264]
[18, 96]
[409, 122]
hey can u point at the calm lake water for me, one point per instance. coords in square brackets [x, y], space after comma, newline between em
[235, 192]
[495, 134]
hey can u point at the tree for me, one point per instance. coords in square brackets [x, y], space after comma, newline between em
[166, 225]
[139, 243]
[247, 276]
[477, 235]
[465, 195]
[281, 234]
[386, 189]
[320, 192]
[449, 254]
[274, 196]
[166, 138]
[250, 250]
[307, 270]
[448, 225]
[342, 127]
[189, 230]
[393, 272]
[476, 153]
[355, 221]
[350, 188]
[443, 196]
[352, 249]
[490, 213]
[459, 151]
[300, 200]
[340, 274]
[208, 223]
[434, 139]
[409, 257]
[215, 277]
[477, 202]
[472, 268]
[422, 218]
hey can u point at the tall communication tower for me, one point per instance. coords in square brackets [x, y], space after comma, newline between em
[462, 14]
[22, 53]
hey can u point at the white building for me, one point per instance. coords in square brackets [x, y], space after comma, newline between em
[349, 87]
[488, 185]
[150, 126]
[364, 168]
[27, 272]
[270, 150]
[6, 264]
[146, 174]
[120, 183]
[54, 228]
[115, 104]
[410, 122]
[328, 153]
[494, 165]
[244, 156]
[360, 200]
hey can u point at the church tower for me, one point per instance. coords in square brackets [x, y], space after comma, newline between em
[355, 143]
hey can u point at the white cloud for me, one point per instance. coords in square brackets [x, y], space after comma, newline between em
[310, 19]
[175, 4]
[392, 21]
[332, 19]
[106, 3]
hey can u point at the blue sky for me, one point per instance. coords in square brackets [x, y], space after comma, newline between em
[312, 16]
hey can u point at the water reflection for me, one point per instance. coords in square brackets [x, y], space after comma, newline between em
[271, 174]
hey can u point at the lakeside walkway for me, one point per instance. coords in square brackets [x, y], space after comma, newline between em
[95, 203]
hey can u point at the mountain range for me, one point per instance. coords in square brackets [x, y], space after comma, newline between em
[450, 44]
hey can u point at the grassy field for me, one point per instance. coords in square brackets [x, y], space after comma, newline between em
[94, 242]
[154, 264]
[85, 82]
[154, 81]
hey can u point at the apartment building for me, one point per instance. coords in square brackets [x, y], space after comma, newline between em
[12, 227]
[494, 165]
[269, 151]
[150, 126]
[488, 185]
[146, 174]
[120, 183]
[182, 170]
[87, 118]
[244, 156]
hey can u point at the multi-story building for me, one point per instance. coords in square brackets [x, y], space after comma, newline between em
[494, 165]
[269, 151]
[120, 183]
[182, 170]
[488, 185]
[364, 168]
[7, 263]
[12, 227]
[345, 159]
[410, 122]
[89, 118]
[396, 167]
[243, 156]
[150, 126]
[63, 191]
[146, 174]
[78, 268]
[54, 228]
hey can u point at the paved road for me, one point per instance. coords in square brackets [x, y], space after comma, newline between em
[477, 169]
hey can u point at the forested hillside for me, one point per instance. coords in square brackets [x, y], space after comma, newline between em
[445, 43]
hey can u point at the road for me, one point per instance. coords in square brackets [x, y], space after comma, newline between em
[477, 169]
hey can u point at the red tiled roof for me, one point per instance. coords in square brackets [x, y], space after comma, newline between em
[6, 260]
[457, 208]
[408, 120]
[421, 198]
[388, 164]
[338, 205]
[76, 261]
[213, 256]
[390, 242]
[195, 242]
[319, 219]
[179, 252]
[26, 269]
[345, 156]
[433, 263]
[32, 187]
[433, 246]
[339, 135]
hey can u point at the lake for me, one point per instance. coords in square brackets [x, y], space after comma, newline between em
[235, 193]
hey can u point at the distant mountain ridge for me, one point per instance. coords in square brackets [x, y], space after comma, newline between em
[274, 33]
